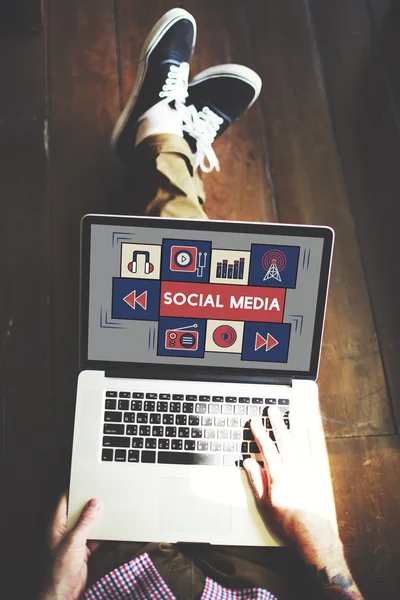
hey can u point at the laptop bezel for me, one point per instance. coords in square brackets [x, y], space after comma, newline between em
[184, 372]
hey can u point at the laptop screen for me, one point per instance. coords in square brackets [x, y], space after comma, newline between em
[238, 296]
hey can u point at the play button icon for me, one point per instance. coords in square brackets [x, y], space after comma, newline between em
[269, 342]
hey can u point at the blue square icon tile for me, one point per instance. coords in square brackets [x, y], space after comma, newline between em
[136, 299]
[267, 342]
[185, 260]
[273, 266]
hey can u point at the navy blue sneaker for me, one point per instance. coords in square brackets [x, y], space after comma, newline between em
[162, 75]
[217, 97]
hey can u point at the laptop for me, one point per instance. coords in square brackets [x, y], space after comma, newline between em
[189, 329]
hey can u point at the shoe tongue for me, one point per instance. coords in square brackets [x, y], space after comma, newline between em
[171, 61]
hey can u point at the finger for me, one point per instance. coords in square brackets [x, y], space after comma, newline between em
[270, 455]
[90, 514]
[58, 526]
[257, 477]
[282, 435]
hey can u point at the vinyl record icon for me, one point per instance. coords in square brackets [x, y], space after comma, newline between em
[224, 336]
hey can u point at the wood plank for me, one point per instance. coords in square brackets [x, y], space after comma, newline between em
[368, 140]
[241, 191]
[386, 14]
[310, 189]
[22, 68]
[26, 434]
[31, 485]
[84, 175]
[29, 15]
[366, 483]
[21, 16]
[24, 310]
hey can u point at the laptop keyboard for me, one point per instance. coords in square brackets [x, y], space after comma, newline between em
[184, 429]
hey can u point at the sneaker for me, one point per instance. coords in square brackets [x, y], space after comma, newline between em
[217, 97]
[162, 75]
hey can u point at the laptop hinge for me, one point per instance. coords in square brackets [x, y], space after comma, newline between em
[209, 375]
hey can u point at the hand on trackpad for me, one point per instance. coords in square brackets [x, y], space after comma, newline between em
[182, 508]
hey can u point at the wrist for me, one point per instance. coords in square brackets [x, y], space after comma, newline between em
[329, 568]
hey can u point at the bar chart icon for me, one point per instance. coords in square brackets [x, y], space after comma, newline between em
[230, 266]
[230, 270]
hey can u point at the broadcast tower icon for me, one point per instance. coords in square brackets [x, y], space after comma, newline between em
[273, 272]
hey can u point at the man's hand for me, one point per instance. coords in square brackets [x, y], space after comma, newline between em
[294, 489]
[69, 552]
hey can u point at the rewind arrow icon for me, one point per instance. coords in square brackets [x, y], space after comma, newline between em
[132, 299]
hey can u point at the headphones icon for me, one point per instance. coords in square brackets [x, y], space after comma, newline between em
[148, 266]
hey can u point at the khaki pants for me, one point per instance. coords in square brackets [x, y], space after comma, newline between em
[163, 175]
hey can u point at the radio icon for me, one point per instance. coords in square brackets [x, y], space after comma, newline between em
[181, 339]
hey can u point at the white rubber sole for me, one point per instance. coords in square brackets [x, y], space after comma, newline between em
[159, 29]
[231, 70]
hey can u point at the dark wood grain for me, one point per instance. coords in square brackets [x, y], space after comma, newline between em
[386, 17]
[25, 326]
[24, 351]
[84, 175]
[241, 190]
[310, 189]
[29, 15]
[21, 16]
[368, 140]
[27, 439]
[366, 481]
[30, 485]
[22, 68]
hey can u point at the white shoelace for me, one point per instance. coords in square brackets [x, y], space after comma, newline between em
[203, 126]
[176, 84]
[175, 87]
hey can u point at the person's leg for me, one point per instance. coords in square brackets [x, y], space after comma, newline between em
[174, 145]
[163, 170]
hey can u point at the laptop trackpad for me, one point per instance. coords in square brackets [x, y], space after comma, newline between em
[183, 507]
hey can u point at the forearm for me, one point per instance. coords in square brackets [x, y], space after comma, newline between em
[330, 569]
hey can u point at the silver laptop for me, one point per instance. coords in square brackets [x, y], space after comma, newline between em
[188, 330]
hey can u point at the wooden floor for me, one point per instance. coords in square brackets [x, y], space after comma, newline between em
[322, 146]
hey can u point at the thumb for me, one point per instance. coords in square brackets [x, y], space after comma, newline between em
[90, 514]
[257, 478]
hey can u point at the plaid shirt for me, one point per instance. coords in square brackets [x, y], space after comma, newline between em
[140, 580]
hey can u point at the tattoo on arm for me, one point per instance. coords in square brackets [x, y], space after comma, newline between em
[337, 580]
[336, 588]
